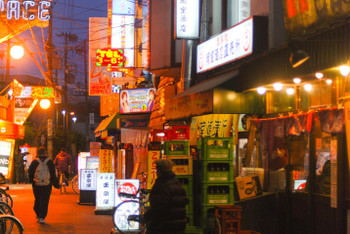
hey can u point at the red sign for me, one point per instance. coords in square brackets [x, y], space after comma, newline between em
[110, 57]
[127, 188]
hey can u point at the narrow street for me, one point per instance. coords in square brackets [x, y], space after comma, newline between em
[65, 214]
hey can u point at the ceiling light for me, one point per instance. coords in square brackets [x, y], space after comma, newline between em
[319, 75]
[261, 90]
[344, 70]
[278, 86]
[308, 87]
[290, 91]
[329, 81]
[296, 80]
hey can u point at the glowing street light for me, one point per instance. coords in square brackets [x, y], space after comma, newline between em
[17, 52]
[45, 103]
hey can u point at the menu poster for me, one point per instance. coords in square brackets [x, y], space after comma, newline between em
[5, 153]
[87, 180]
[105, 191]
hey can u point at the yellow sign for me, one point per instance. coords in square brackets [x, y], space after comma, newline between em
[151, 168]
[106, 160]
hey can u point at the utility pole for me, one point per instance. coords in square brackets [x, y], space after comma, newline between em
[51, 112]
[86, 88]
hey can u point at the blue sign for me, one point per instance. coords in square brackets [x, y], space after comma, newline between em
[123, 7]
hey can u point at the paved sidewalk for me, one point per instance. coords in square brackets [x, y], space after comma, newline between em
[64, 216]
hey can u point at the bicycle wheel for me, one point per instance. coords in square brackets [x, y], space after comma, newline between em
[5, 209]
[121, 217]
[5, 197]
[75, 184]
[10, 224]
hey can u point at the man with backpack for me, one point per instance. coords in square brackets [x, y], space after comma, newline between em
[42, 175]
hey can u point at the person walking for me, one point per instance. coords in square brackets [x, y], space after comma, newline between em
[42, 175]
[167, 213]
[19, 167]
[63, 163]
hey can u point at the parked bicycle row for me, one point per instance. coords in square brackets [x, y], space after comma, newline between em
[8, 222]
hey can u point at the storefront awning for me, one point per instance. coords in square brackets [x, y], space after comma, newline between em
[209, 84]
[108, 123]
[118, 120]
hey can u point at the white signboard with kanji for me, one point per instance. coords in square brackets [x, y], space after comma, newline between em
[88, 179]
[105, 191]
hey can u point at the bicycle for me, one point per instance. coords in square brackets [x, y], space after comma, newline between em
[4, 196]
[128, 215]
[75, 184]
[10, 224]
[62, 182]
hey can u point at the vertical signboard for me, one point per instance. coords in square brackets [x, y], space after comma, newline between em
[95, 149]
[347, 126]
[151, 167]
[105, 191]
[6, 157]
[87, 179]
[99, 77]
[187, 19]
[123, 29]
[106, 160]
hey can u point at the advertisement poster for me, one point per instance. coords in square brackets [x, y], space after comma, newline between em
[105, 191]
[106, 160]
[151, 167]
[125, 186]
[137, 100]
[87, 180]
[5, 154]
[95, 149]
[92, 162]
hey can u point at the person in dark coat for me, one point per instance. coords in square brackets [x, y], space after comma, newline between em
[167, 213]
[42, 193]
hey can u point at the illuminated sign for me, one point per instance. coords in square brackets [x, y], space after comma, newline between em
[187, 19]
[110, 57]
[36, 92]
[230, 45]
[15, 9]
[6, 156]
[105, 191]
[87, 180]
[123, 29]
[136, 100]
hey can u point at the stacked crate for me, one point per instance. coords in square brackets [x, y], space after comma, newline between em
[216, 177]
[178, 151]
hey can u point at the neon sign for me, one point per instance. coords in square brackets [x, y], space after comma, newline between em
[110, 57]
[27, 10]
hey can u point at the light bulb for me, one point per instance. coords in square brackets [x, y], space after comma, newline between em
[344, 70]
[278, 86]
[261, 90]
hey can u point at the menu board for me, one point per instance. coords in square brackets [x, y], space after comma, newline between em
[87, 180]
[5, 153]
[105, 191]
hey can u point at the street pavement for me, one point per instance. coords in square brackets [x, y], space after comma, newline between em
[65, 215]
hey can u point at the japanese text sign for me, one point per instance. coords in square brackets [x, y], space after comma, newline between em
[87, 179]
[110, 57]
[187, 19]
[106, 160]
[105, 191]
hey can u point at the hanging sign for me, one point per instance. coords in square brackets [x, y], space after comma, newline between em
[26, 10]
[137, 100]
[151, 167]
[106, 160]
[110, 57]
[187, 19]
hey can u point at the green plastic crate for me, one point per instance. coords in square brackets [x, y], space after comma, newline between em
[187, 183]
[190, 229]
[218, 194]
[217, 172]
[177, 148]
[217, 149]
[189, 206]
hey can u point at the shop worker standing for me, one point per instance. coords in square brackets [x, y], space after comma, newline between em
[167, 213]
[42, 175]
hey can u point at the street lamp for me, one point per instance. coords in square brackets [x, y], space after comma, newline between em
[17, 52]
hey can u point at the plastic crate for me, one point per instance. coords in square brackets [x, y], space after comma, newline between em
[183, 165]
[217, 172]
[187, 183]
[230, 212]
[218, 194]
[177, 148]
[190, 229]
[180, 133]
[208, 219]
[189, 206]
[217, 149]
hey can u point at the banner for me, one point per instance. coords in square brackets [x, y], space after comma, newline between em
[151, 168]
[347, 125]
[214, 125]
[106, 160]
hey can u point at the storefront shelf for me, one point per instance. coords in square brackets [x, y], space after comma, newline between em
[217, 172]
